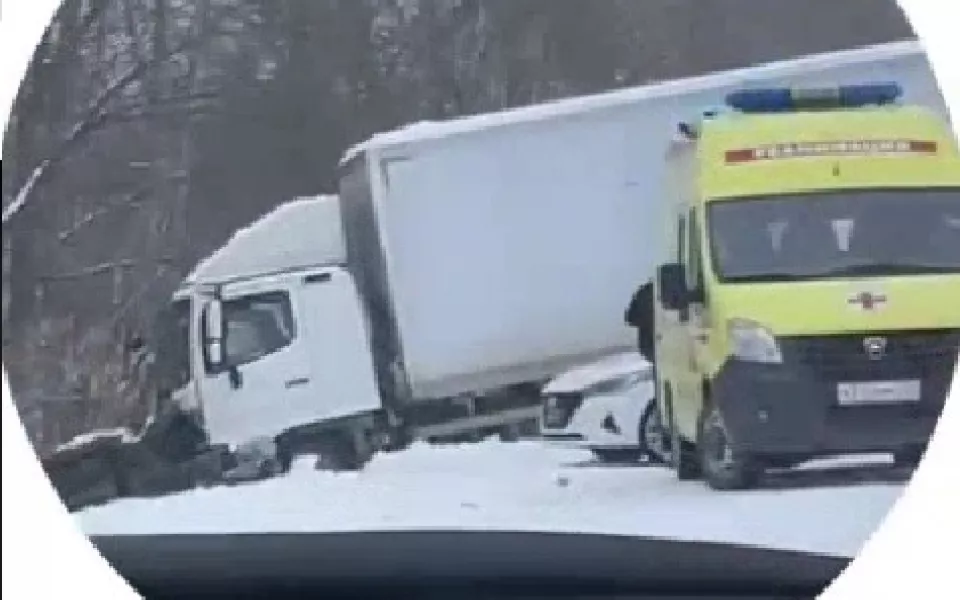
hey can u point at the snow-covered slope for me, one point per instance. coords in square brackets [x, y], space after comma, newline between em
[518, 487]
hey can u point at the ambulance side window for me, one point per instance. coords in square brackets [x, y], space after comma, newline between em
[682, 257]
[694, 254]
[681, 240]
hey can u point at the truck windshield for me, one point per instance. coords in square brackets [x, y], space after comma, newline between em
[821, 235]
[173, 345]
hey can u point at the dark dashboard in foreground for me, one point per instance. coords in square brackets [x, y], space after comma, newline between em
[459, 564]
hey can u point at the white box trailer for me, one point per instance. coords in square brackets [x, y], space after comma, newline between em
[503, 248]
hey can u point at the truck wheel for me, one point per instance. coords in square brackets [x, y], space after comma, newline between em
[682, 457]
[398, 439]
[652, 435]
[509, 434]
[270, 467]
[122, 476]
[397, 436]
[341, 452]
[723, 467]
[284, 455]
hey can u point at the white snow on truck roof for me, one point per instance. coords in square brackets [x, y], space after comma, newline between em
[303, 232]
[433, 130]
[605, 369]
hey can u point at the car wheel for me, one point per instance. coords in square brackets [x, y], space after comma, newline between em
[653, 435]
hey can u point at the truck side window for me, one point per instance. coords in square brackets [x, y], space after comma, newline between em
[256, 326]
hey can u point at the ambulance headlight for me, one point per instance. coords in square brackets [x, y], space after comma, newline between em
[752, 342]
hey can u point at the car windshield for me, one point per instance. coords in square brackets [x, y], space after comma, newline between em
[853, 233]
[371, 265]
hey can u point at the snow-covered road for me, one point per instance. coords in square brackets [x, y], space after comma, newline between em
[523, 487]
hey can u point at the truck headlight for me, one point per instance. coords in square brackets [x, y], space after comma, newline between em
[752, 342]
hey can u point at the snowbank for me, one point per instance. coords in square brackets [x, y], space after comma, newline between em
[512, 487]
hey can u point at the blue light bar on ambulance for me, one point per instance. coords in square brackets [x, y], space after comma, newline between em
[773, 100]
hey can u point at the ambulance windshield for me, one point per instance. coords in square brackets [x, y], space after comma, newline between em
[836, 234]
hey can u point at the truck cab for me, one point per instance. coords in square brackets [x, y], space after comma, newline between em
[810, 303]
[259, 375]
[268, 340]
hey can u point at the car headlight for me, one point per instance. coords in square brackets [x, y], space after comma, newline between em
[752, 342]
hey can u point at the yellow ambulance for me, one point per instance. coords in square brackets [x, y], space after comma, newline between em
[811, 304]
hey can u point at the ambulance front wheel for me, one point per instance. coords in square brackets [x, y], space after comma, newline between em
[654, 441]
[682, 454]
[724, 468]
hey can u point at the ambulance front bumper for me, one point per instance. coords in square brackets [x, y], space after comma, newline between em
[828, 397]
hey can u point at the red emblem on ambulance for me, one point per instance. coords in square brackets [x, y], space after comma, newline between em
[868, 301]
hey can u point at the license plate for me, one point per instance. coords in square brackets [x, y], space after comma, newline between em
[878, 392]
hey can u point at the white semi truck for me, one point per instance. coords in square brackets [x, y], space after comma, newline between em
[464, 264]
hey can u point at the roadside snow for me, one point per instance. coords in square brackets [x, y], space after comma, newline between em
[518, 487]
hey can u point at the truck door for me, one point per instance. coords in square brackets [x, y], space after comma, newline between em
[261, 385]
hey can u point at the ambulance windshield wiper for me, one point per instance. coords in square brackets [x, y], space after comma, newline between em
[892, 269]
[773, 277]
[875, 269]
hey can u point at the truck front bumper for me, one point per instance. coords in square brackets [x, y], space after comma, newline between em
[812, 403]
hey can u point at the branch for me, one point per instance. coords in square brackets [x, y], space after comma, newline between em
[130, 200]
[81, 29]
[94, 117]
[106, 267]
[24, 193]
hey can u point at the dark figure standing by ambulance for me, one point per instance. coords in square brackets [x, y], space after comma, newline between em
[639, 315]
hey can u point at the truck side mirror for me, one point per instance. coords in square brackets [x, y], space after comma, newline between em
[672, 282]
[213, 333]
